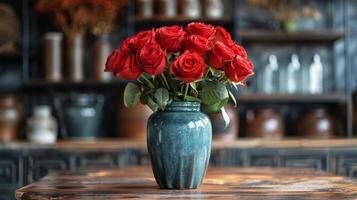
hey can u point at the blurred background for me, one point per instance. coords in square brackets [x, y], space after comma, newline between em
[53, 88]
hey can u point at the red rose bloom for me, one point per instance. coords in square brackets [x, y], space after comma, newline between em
[171, 38]
[189, 67]
[198, 44]
[239, 51]
[239, 69]
[123, 65]
[219, 55]
[152, 59]
[222, 35]
[137, 42]
[124, 46]
[205, 30]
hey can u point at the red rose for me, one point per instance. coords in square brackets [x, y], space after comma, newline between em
[123, 65]
[205, 30]
[219, 55]
[222, 35]
[138, 41]
[198, 44]
[152, 59]
[188, 67]
[239, 51]
[239, 69]
[124, 46]
[171, 38]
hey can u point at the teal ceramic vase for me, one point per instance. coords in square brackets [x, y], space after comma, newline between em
[179, 144]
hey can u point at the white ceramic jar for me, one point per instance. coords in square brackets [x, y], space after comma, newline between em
[42, 126]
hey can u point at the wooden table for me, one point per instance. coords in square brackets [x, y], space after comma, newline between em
[220, 183]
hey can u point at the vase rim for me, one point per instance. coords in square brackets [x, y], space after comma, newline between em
[183, 106]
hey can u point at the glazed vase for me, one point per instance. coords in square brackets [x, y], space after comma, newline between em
[264, 123]
[80, 114]
[315, 123]
[179, 144]
[10, 117]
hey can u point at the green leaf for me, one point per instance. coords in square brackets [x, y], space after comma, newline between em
[152, 105]
[194, 86]
[162, 97]
[213, 93]
[191, 98]
[225, 117]
[233, 98]
[131, 93]
[215, 108]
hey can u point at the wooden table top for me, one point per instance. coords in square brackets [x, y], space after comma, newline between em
[220, 183]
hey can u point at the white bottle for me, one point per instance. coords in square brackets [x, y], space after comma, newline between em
[42, 126]
[316, 76]
[292, 75]
[270, 79]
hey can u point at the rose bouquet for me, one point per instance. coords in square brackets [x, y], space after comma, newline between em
[197, 64]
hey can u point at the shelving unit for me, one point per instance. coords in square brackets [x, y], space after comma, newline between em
[332, 34]
[279, 36]
[36, 84]
[337, 98]
[179, 19]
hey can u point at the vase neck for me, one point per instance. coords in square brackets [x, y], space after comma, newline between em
[183, 106]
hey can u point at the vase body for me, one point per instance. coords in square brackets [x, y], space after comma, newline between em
[167, 8]
[264, 123]
[179, 144]
[81, 115]
[75, 56]
[42, 126]
[132, 121]
[222, 132]
[10, 115]
[53, 56]
[101, 50]
[315, 123]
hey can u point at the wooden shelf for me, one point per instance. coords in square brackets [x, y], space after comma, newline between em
[179, 20]
[44, 84]
[14, 57]
[241, 143]
[279, 36]
[292, 98]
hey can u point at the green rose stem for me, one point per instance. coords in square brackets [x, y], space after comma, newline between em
[148, 81]
[186, 91]
[165, 81]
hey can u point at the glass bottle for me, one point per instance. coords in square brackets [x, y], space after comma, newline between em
[316, 76]
[293, 75]
[270, 81]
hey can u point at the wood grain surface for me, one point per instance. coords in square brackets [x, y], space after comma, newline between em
[220, 183]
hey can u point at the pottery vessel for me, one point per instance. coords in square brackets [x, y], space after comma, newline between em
[315, 123]
[264, 123]
[179, 144]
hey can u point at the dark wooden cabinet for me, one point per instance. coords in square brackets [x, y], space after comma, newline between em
[304, 161]
[25, 164]
[11, 173]
[41, 162]
[263, 160]
[346, 163]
